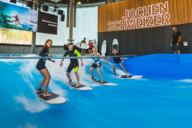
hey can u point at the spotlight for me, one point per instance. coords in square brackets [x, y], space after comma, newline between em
[79, 3]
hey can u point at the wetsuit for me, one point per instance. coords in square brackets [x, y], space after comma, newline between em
[97, 61]
[41, 63]
[117, 60]
[74, 62]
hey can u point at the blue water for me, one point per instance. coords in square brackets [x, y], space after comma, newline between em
[139, 103]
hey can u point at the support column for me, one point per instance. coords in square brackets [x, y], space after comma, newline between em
[34, 33]
[75, 14]
[109, 1]
[71, 23]
[67, 15]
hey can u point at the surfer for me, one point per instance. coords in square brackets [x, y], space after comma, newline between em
[17, 21]
[43, 70]
[117, 61]
[74, 63]
[96, 63]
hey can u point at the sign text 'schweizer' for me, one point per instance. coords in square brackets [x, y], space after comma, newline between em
[142, 17]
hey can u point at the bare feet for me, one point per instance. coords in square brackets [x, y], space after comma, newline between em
[102, 81]
[47, 94]
[40, 91]
[127, 75]
[77, 85]
[70, 82]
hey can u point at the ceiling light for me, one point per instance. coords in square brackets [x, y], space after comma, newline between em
[79, 3]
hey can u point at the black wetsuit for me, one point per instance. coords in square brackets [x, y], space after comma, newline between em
[41, 63]
[74, 62]
[116, 59]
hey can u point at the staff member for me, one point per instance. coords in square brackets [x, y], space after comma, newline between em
[90, 47]
[82, 49]
[176, 38]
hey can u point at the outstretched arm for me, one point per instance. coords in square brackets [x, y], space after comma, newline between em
[61, 64]
[98, 54]
[122, 60]
[51, 60]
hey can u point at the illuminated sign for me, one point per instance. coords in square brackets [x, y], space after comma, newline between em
[142, 17]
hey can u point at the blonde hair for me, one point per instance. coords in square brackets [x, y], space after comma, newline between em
[46, 44]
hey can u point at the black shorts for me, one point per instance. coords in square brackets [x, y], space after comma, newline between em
[96, 65]
[40, 65]
[71, 66]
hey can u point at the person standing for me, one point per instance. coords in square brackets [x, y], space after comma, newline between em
[82, 49]
[90, 47]
[176, 38]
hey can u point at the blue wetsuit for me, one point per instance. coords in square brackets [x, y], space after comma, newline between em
[97, 61]
[41, 63]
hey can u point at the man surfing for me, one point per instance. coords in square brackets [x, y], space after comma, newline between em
[117, 61]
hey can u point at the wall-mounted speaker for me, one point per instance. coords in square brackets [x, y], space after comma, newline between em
[60, 12]
[13, 1]
[62, 17]
[30, 4]
[45, 8]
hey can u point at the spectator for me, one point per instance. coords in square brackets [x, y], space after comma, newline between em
[176, 38]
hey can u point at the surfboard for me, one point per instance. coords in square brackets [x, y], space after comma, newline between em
[54, 99]
[115, 45]
[104, 83]
[81, 87]
[104, 48]
[130, 76]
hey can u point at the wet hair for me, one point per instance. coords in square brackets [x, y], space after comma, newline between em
[46, 44]
[70, 44]
[114, 49]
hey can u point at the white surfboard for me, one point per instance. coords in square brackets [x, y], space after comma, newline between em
[104, 48]
[81, 87]
[130, 77]
[115, 45]
[84, 46]
[54, 99]
[104, 83]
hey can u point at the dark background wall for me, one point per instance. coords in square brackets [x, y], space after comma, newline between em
[147, 41]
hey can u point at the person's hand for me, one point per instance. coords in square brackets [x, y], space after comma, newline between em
[170, 45]
[122, 61]
[50, 55]
[53, 61]
[177, 44]
[82, 64]
[61, 64]
[106, 61]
